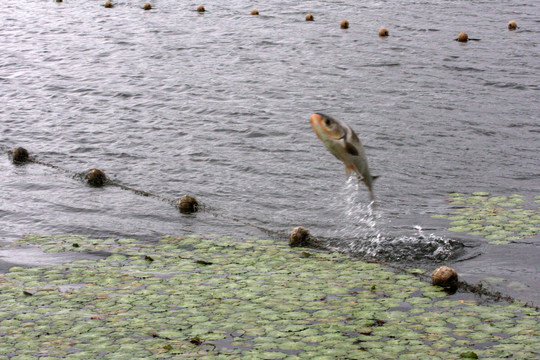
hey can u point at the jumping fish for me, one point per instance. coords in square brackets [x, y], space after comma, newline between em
[343, 142]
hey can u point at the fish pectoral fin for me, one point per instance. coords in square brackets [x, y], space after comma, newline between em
[375, 177]
[358, 174]
[351, 149]
[348, 171]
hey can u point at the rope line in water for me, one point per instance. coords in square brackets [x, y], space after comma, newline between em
[82, 176]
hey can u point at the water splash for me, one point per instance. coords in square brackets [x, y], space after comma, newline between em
[359, 220]
[418, 247]
[360, 232]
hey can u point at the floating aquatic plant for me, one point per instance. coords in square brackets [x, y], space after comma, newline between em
[211, 297]
[499, 219]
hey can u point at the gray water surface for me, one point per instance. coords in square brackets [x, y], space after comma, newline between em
[217, 105]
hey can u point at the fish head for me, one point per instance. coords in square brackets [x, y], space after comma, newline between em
[326, 127]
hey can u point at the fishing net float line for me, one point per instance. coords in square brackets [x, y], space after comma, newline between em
[187, 204]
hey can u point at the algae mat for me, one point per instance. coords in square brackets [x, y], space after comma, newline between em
[212, 297]
[499, 219]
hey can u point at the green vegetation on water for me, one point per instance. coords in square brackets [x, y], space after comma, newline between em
[498, 219]
[212, 297]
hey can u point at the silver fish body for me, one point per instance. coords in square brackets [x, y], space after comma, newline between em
[344, 144]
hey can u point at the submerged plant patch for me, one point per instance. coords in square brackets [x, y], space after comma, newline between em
[210, 297]
[498, 219]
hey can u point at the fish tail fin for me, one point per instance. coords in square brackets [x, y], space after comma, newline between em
[369, 183]
[371, 195]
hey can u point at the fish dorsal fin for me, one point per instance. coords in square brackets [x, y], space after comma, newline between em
[354, 136]
[351, 149]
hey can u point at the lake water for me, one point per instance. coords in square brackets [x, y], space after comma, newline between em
[217, 105]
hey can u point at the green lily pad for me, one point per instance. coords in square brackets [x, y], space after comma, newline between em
[251, 302]
[498, 219]
[468, 355]
[460, 228]
[480, 193]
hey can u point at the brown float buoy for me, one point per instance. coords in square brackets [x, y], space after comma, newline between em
[96, 177]
[445, 276]
[299, 236]
[383, 32]
[188, 204]
[344, 24]
[201, 8]
[20, 155]
[463, 37]
[309, 17]
[108, 4]
[147, 6]
[254, 12]
[512, 25]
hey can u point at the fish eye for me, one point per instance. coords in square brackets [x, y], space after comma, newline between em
[328, 122]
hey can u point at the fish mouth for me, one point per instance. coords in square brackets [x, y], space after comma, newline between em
[316, 119]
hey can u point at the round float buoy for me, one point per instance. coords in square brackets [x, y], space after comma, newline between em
[108, 4]
[383, 32]
[299, 236]
[344, 24]
[201, 8]
[188, 204]
[445, 276]
[20, 155]
[96, 177]
[512, 25]
[254, 12]
[463, 37]
[147, 6]
[309, 17]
